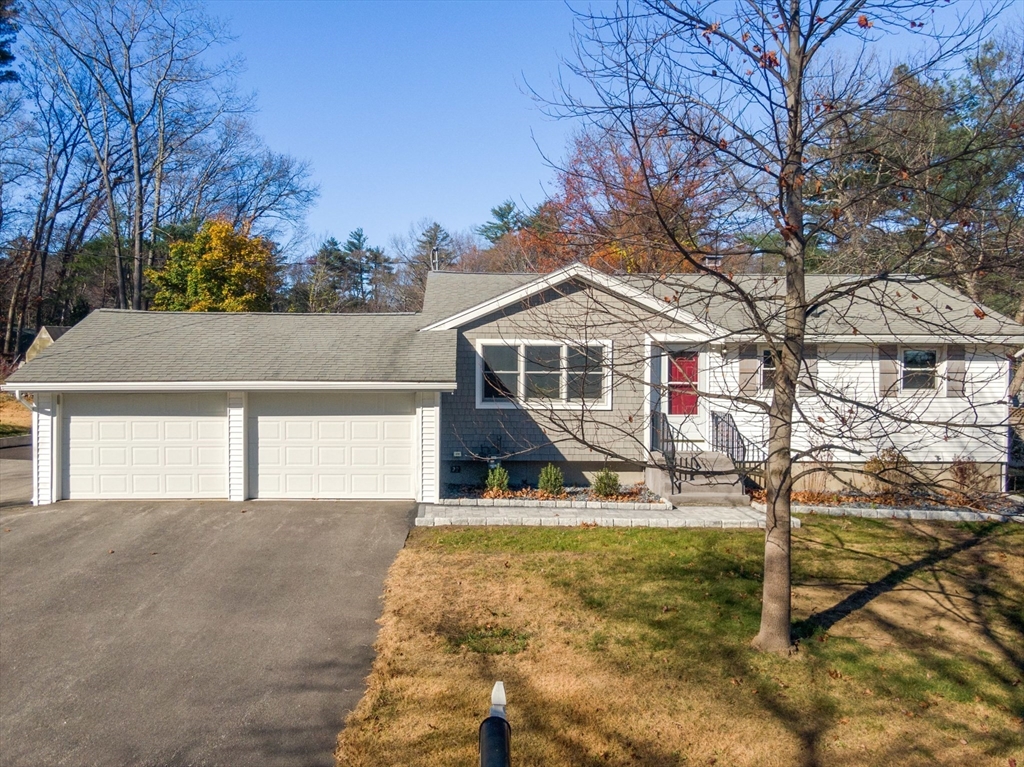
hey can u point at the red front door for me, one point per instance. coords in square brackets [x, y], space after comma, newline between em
[682, 383]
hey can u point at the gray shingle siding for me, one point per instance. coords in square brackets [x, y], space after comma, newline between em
[555, 435]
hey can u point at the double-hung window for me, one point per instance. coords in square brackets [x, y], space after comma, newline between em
[769, 366]
[544, 373]
[919, 369]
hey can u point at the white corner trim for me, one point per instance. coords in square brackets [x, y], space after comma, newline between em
[175, 386]
[586, 274]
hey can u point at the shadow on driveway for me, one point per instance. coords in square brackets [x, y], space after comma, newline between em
[186, 633]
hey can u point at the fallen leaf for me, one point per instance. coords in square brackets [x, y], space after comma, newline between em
[979, 313]
[111, 551]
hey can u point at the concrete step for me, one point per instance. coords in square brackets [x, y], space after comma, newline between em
[728, 500]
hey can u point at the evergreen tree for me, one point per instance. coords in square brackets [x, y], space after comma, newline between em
[506, 219]
[8, 31]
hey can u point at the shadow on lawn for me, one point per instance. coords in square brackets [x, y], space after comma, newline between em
[858, 600]
[984, 596]
[706, 601]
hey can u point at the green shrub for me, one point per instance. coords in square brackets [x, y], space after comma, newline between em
[551, 480]
[605, 484]
[497, 479]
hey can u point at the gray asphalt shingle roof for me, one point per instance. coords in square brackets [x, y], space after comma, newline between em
[125, 346]
[112, 345]
[898, 307]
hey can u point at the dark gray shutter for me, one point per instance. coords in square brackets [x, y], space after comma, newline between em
[956, 370]
[809, 373]
[750, 370]
[888, 370]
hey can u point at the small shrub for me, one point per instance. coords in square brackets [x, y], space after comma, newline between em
[605, 484]
[551, 480]
[967, 476]
[891, 472]
[497, 480]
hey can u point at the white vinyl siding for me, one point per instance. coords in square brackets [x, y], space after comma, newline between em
[237, 489]
[45, 438]
[851, 372]
[145, 446]
[327, 445]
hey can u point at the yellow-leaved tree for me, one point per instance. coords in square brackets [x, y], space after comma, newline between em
[218, 270]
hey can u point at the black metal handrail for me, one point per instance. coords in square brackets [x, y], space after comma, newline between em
[726, 438]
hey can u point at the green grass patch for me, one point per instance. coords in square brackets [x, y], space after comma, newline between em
[489, 640]
[10, 430]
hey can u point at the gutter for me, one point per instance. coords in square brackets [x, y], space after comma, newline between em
[185, 386]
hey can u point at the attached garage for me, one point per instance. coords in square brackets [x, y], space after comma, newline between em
[170, 445]
[151, 405]
[332, 445]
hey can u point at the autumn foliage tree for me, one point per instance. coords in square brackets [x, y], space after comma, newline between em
[218, 270]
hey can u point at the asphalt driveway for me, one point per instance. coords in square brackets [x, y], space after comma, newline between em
[186, 633]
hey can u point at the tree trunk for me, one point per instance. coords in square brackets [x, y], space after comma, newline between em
[774, 634]
[137, 221]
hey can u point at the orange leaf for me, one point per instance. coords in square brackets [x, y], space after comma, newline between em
[979, 313]
[863, 23]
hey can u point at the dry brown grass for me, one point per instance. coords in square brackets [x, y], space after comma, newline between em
[14, 417]
[634, 648]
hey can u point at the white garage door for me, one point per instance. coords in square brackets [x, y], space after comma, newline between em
[145, 445]
[331, 445]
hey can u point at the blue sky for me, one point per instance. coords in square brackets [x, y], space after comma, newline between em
[406, 110]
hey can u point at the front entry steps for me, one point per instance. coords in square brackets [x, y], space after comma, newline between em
[701, 479]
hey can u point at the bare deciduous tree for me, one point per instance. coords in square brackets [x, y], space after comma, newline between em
[757, 94]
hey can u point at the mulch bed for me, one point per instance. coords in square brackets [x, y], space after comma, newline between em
[638, 493]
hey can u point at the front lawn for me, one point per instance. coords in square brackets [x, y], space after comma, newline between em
[15, 419]
[630, 647]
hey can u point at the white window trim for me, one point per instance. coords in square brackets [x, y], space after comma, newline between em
[520, 403]
[940, 361]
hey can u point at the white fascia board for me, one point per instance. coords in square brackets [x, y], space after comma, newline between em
[860, 338]
[581, 272]
[181, 386]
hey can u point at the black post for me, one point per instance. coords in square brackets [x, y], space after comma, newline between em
[495, 733]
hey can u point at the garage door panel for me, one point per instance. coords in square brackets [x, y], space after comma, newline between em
[113, 484]
[210, 457]
[397, 484]
[333, 430]
[113, 430]
[332, 456]
[178, 456]
[400, 431]
[145, 445]
[178, 430]
[146, 484]
[83, 457]
[214, 484]
[298, 456]
[146, 430]
[397, 456]
[113, 456]
[145, 456]
[366, 431]
[332, 445]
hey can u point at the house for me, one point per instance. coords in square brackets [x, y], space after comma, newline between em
[44, 338]
[576, 367]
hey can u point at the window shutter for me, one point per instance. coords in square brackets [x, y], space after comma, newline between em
[888, 370]
[956, 370]
[809, 374]
[750, 369]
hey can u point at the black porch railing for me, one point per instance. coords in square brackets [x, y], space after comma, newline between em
[747, 456]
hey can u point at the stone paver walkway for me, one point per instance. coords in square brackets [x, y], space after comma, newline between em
[431, 515]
